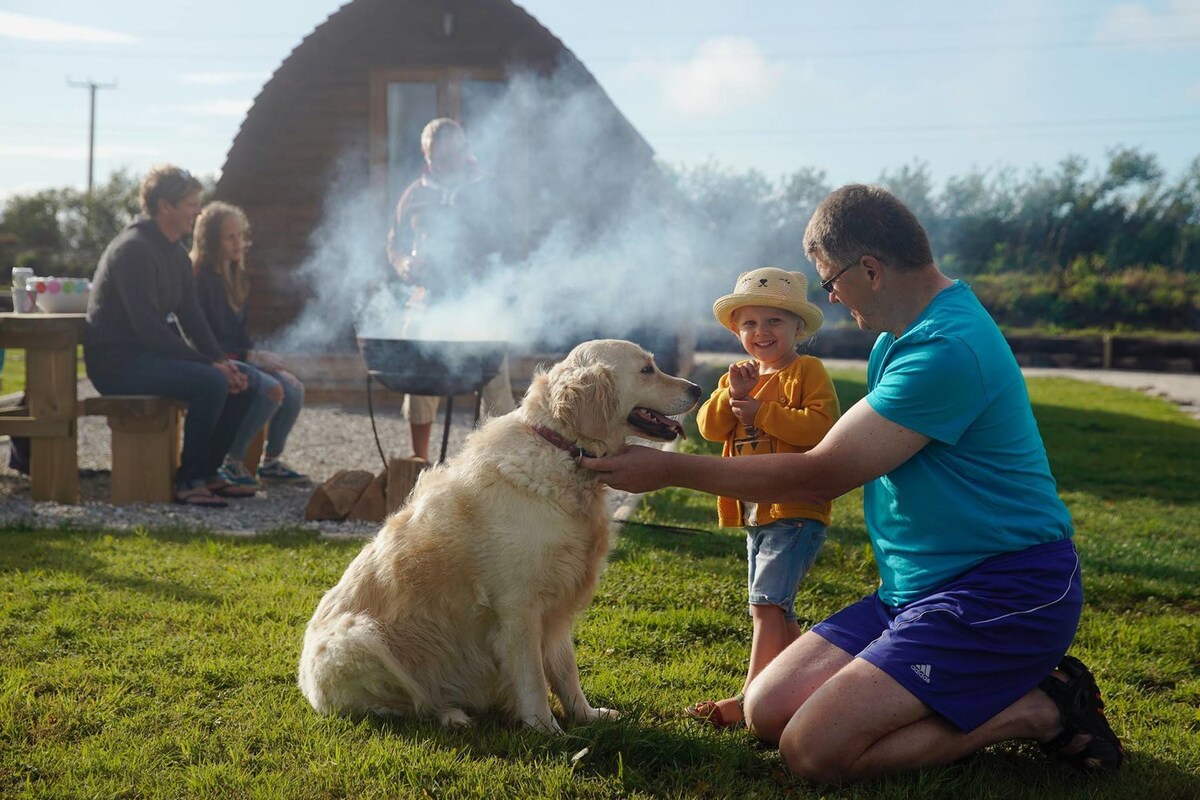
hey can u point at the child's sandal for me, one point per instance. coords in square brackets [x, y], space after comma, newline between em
[708, 711]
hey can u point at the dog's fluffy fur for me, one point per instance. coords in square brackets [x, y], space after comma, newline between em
[464, 600]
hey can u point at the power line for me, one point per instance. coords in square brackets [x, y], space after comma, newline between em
[91, 86]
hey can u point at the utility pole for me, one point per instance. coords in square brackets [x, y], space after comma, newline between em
[91, 86]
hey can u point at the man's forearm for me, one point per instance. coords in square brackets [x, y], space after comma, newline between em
[778, 477]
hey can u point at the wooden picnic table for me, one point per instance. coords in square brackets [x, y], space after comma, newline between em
[50, 342]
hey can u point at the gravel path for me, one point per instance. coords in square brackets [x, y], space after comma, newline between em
[1182, 389]
[324, 441]
[328, 439]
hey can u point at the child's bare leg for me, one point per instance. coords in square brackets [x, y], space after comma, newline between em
[773, 632]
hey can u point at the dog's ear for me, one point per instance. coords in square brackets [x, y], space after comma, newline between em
[584, 399]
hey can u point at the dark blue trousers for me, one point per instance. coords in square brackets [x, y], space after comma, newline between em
[213, 414]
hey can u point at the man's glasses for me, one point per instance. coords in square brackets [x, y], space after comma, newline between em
[827, 284]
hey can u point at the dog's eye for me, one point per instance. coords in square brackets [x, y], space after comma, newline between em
[648, 369]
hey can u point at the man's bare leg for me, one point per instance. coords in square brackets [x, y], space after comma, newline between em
[788, 681]
[420, 438]
[860, 722]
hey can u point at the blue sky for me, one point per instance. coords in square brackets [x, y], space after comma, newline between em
[852, 88]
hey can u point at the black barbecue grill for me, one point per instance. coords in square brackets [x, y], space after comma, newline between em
[433, 368]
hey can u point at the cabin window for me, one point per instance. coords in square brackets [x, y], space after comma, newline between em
[410, 106]
[404, 101]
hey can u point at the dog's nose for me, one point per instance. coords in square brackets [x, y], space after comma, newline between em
[693, 391]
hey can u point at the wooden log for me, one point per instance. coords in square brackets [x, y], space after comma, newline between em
[372, 504]
[335, 498]
[402, 474]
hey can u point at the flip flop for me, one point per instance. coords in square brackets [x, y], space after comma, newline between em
[232, 490]
[1082, 710]
[199, 496]
[709, 712]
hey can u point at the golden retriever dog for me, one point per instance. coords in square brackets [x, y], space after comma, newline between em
[464, 600]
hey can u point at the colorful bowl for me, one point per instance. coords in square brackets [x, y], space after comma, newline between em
[60, 295]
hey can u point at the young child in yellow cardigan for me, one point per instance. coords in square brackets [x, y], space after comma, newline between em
[777, 402]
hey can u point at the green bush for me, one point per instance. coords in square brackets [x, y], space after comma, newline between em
[1082, 297]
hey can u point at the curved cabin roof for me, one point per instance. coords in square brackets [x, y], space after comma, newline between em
[311, 124]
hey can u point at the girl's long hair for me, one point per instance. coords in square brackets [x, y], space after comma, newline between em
[206, 248]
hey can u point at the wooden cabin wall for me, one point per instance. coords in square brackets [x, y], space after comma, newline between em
[310, 124]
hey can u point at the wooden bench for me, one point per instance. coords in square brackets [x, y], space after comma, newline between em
[145, 444]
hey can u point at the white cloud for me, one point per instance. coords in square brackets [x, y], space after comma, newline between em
[1138, 24]
[725, 74]
[39, 29]
[221, 78]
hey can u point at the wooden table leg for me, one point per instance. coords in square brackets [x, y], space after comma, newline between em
[50, 392]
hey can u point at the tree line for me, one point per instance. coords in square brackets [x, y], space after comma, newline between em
[1115, 248]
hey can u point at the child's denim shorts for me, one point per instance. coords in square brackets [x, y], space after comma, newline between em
[778, 555]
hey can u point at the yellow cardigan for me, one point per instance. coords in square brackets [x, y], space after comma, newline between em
[798, 408]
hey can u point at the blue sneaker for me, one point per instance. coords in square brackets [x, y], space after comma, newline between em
[235, 472]
[275, 471]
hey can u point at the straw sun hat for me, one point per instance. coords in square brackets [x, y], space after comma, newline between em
[773, 287]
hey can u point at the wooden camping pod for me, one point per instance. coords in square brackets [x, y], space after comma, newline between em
[320, 124]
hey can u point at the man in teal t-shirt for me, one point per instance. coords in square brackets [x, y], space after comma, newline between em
[963, 645]
[982, 485]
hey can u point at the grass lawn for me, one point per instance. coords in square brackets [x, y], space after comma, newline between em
[162, 664]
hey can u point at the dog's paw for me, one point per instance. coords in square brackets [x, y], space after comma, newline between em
[455, 718]
[547, 725]
[595, 714]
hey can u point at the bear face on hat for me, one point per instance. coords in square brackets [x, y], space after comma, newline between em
[775, 288]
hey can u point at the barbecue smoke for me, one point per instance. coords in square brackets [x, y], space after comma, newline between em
[592, 238]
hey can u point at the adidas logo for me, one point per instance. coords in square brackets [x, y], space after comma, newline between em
[922, 670]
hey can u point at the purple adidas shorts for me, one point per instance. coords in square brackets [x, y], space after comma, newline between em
[978, 644]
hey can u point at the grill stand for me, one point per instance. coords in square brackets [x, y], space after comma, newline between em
[478, 391]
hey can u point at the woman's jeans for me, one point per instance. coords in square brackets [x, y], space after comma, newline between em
[213, 413]
[282, 415]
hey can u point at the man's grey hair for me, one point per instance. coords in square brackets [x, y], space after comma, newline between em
[859, 220]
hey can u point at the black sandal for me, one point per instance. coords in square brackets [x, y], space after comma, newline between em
[1082, 710]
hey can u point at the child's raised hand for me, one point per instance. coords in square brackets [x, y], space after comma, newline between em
[742, 378]
[746, 410]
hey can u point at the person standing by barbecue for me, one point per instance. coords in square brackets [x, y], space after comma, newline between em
[436, 244]
[143, 289]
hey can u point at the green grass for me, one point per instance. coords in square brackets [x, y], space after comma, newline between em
[162, 664]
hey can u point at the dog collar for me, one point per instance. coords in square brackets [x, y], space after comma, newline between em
[562, 443]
